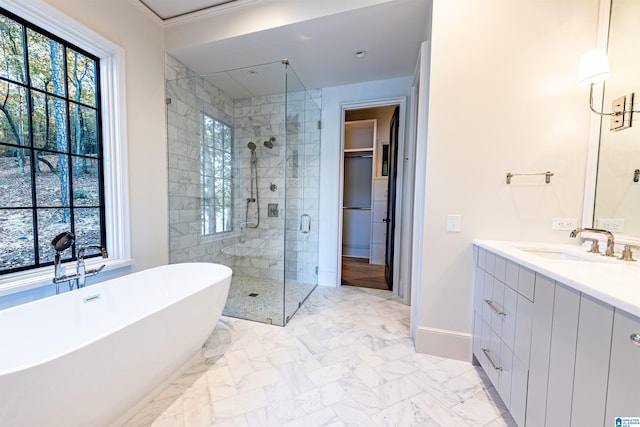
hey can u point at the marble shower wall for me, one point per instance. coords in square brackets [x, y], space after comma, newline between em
[189, 97]
[251, 252]
[256, 120]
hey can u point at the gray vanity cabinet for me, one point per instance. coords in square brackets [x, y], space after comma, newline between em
[623, 397]
[556, 356]
[502, 327]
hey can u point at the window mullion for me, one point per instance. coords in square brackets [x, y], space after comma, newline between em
[29, 106]
[72, 221]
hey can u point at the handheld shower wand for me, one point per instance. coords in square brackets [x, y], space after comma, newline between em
[254, 184]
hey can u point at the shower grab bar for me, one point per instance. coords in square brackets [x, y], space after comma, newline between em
[305, 223]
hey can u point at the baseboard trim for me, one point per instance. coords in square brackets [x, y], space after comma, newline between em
[443, 343]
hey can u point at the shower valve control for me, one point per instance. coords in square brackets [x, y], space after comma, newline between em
[272, 210]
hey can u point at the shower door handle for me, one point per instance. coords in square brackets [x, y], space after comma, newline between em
[305, 223]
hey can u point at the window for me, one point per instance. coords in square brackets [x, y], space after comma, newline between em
[215, 176]
[51, 164]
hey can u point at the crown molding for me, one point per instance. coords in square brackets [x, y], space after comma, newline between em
[144, 9]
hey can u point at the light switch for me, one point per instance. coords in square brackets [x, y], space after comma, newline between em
[454, 223]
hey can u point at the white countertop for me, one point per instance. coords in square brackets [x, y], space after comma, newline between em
[608, 279]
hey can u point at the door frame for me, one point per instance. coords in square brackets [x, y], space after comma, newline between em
[402, 290]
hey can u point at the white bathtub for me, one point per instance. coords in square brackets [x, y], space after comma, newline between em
[90, 356]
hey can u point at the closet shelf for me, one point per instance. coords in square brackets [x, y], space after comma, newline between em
[359, 150]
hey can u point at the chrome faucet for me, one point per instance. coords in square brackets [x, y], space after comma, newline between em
[61, 243]
[610, 238]
[81, 270]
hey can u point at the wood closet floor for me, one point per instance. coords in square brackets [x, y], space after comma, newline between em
[358, 272]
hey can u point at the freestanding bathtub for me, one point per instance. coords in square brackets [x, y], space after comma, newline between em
[89, 356]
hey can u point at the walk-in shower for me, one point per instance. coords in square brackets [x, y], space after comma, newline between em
[244, 150]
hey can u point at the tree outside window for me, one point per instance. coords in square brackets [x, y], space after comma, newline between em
[215, 176]
[51, 174]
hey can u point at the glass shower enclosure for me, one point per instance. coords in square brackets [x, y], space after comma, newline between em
[244, 149]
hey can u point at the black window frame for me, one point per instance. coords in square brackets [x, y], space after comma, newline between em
[32, 148]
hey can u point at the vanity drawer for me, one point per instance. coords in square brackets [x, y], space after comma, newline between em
[496, 306]
[487, 295]
[482, 258]
[522, 335]
[511, 275]
[510, 305]
[496, 358]
[500, 268]
[505, 374]
[519, 383]
[526, 282]
[490, 359]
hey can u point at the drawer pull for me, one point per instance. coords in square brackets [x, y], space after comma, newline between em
[491, 359]
[635, 339]
[495, 307]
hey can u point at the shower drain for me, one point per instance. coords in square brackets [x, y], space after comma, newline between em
[253, 294]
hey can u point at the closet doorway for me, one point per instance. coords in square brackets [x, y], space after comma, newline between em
[368, 196]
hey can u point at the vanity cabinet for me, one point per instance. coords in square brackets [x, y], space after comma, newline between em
[623, 398]
[503, 318]
[555, 355]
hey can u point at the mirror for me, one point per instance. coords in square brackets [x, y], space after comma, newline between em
[617, 195]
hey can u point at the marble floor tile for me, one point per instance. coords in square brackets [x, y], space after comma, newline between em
[404, 413]
[345, 359]
[240, 404]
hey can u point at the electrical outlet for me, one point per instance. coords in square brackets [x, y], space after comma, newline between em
[564, 223]
[613, 224]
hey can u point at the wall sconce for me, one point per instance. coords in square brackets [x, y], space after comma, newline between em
[594, 68]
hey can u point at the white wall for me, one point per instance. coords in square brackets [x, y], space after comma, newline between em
[333, 98]
[503, 98]
[142, 39]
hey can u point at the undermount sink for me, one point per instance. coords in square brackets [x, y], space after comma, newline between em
[562, 255]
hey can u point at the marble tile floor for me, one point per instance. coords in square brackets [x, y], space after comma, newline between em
[345, 359]
[267, 301]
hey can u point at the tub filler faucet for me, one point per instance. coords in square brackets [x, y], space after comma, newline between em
[81, 270]
[61, 243]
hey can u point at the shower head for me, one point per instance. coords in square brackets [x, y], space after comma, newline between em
[269, 143]
[63, 241]
[251, 146]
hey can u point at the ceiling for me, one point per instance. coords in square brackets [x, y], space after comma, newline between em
[167, 9]
[320, 50]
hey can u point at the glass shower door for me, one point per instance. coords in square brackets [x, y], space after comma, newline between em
[302, 176]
